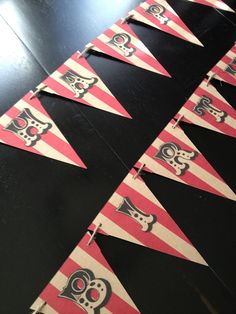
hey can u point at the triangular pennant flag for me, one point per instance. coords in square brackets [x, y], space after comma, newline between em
[174, 156]
[207, 108]
[159, 14]
[76, 80]
[120, 42]
[225, 69]
[134, 214]
[85, 284]
[218, 4]
[27, 126]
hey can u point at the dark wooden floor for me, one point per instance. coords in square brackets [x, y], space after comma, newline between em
[46, 206]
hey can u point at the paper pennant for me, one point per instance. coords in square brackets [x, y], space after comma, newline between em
[85, 284]
[27, 126]
[76, 80]
[119, 41]
[218, 4]
[207, 108]
[174, 156]
[134, 214]
[159, 14]
[225, 69]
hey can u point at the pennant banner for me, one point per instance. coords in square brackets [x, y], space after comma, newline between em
[218, 4]
[207, 108]
[27, 126]
[174, 156]
[159, 14]
[120, 42]
[76, 80]
[134, 214]
[225, 69]
[85, 284]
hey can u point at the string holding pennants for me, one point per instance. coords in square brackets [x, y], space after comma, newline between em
[174, 156]
[218, 4]
[120, 42]
[85, 283]
[134, 214]
[27, 125]
[225, 69]
[207, 108]
[159, 14]
[76, 80]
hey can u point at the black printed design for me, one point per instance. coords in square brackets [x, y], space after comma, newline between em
[146, 221]
[80, 287]
[231, 68]
[121, 41]
[27, 127]
[157, 11]
[176, 157]
[205, 104]
[79, 84]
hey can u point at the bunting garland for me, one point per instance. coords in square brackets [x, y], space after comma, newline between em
[207, 108]
[225, 69]
[76, 80]
[120, 42]
[85, 284]
[159, 14]
[218, 4]
[134, 214]
[174, 156]
[27, 126]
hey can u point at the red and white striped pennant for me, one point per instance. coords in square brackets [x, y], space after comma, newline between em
[174, 156]
[208, 109]
[159, 14]
[76, 80]
[85, 284]
[134, 214]
[218, 4]
[120, 42]
[225, 69]
[27, 126]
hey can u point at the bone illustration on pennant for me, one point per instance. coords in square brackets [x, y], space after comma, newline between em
[87, 291]
[157, 11]
[121, 41]
[231, 68]
[176, 157]
[24, 126]
[79, 84]
[205, 104]
[146, 221]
